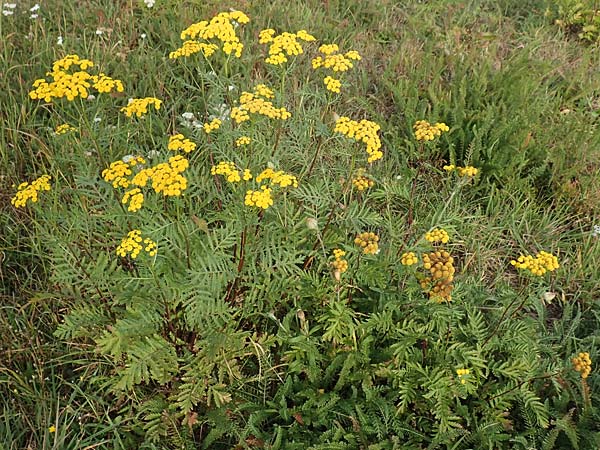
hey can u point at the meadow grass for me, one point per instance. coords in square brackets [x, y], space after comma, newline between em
[521, 99]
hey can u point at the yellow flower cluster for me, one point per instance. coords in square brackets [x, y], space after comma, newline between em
[230, 171]
[441, 268]
[582, 363]
[278, 178]
[70, 83]
[461, 373]
[192, 47]
[212, 126]
[283, 44]
[255, 103]
[119, 170]
[408, 259]
[139, 106]
[437, 235]
[361, 181]
[340, 265]
[364, 131]
[166, 177]
[542, 263]
[135, 199]
[261, 199]
[29, 191]
[179, 142]
[105, 84]
[424, 131]
[64, 129]
[467, 171]
[332, 84]
[337, 62]
[221, 27]
[133, 244]
[244, 140]
[369, 242]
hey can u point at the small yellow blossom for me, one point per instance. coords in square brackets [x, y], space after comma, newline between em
[424, 131]
[468, 171]
[64, 129]
[332, 84]
[441, 269]
[582, 363]
[278, 178]
[135, 199]
[179, 142]
[542, 263]
[283, 45]
[261, 199]
[29, 191]
[340, 265]
[105, 84]
[256, 103]
[139, 106]
[51, 429]
[362, 181]
[244, 140]
[133, 244]
[437, 235]
[364, 131]
[229, 170]
[212, 125]
[369, 242]
[408, 259]
[334, 61]
[461, 374]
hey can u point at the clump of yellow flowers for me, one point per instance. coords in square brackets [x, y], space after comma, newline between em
[283, 44]
[340, 265]
[409, 259]
[211, 126]
[221, 27]
[230, 172]
[29, 191]
[582, 363]
[362, 181]
[64, 129]
[133, 244]
[244, 140]
[424, 131]
[542, 263]
[278, 178]
[369, 242]
[256, 103]
[467, 171]
[139, 106]
[165, 178]
[439, 284]
[461, 374]
[364, 131]
[261, 198]
[179, 142]
[336, 62]
[437, 235]
[70, 79]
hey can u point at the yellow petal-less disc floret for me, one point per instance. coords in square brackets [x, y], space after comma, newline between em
[29, 191]
[540, 264]
[364, 131]
[139, 106]
[437, 235]
[368, 241]
[409, 259]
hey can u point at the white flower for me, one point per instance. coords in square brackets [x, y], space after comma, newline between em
[33, 16]
[188, 116]
[143, 35]
[127, 158]
[59, 41]
[97, 119]
[99, 32]
[10, 5]
[153, 154]
[149, 3]
[34, 7]
[596, 231]
[222, 112]
[91, 97]
[6, 12]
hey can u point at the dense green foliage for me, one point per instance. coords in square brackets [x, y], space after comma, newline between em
[238, 333]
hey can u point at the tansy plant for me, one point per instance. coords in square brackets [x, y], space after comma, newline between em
[235, 279]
